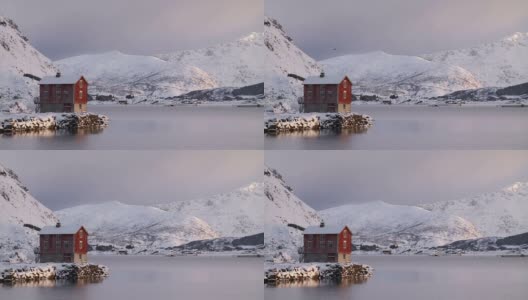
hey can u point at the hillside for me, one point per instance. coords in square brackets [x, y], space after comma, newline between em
[143, 76]
[18, 207]
[19, 57]
[283, 57]
[231, 64]
[500, 213]
[408, 226]
[234, 214]
[282, 208]
[144, 227]
[408, 76]
[495, 64]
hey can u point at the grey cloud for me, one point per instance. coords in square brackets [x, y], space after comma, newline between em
[61, 179]
[396, 26]
[327, 179]
[62, 28]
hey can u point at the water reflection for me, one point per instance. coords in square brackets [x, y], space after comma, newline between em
[53, 133]
[49, 283]
[311, 283]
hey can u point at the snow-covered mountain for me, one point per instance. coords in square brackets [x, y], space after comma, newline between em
[144, 227]
[145, 76]
[283, 57]
[152, 228]
[500, 213]
[496, 64]
[282, 208]
[409, 226]
[231, 64]
[17, 208]
[411, 76]
[18, 57]
[234, 214]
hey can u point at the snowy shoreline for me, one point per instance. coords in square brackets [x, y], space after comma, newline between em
[277, 123]
[10, 123]
[10, 273]
[291, 272]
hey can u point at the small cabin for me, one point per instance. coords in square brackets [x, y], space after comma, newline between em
[63, 94]
[327, 244]
[327, 94]
[63, 244]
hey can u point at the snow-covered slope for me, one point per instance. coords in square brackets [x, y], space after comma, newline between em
[18, 207]
[18, 57]
[144, 227]
[382, 223]
[495, 64]
[282, 208]
[283, 57]
[232, 64]
[500, 213]
[411, 76]
[121, 74]
[234, 214]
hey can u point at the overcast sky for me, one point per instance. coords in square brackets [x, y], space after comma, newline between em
[396, 26]
[62, 28]
[327, 179]
[61, 179]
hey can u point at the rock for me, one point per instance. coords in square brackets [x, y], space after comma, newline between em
[318, 121]
[318, 271]
[38, 122]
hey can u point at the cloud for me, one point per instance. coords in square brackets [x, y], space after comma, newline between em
[396, 26]
[62, 28]
[61, 179]
[327, 179]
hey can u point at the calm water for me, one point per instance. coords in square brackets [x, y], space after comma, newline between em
[156, 127]
[416, 277]
[158, 278]
[421, 128]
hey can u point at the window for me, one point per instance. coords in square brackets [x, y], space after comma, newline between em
[80, 244]
[80, 94]
[330, 93]
[330, 244]
[57, 243]
[45, 243]
[321, 241]
[81, 233]
[308, 244]
[66, 245]
[344, 244]
[81, 83]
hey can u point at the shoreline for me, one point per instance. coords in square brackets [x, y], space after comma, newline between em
[292, 122]
[34, 122]
[294, 272]
[12, 273]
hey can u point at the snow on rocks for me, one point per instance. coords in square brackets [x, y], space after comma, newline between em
[36, 272]
[316, 121]
[51, 121]
[315, 271]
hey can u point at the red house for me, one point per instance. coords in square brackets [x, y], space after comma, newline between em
[64, 244]
[327, 94]
[327, 244]
[63, 94]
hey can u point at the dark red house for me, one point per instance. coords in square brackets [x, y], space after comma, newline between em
[64, 244]
[327, 244]
[327, 94]
[63, 94]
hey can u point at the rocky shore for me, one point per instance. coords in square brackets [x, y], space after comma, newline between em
[315, 271]
[51, 121]
[274, 124]
[38, 272]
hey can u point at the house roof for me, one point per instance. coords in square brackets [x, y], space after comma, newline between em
[332, 79]
[64, 79]
[69, 229]
[324, 230]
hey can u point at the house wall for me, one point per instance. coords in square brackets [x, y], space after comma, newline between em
[321, 98]
[81, 241]
[57, 98]
[81, 96]
[56, 248]
[322, 248]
